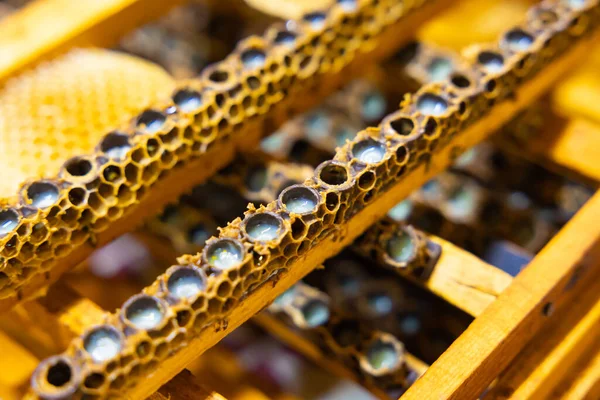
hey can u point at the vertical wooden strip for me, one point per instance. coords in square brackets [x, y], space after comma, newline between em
[487, 347]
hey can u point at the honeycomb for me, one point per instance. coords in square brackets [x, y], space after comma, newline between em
[66, 106]
[255, 88]
[377, 358]
[203, 289]
[393, 244]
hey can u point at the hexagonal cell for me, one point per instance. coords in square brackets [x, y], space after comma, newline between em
[432, 104]
[332, 173]
[9, 219]
[299, 199]
[491, 61]
[143, 312]
[439, 69]
[151, 121]
[78, 167]
[315, 19]
[55, 378]
[42, 194]
[373, 106]
[382, 355]
[285, 38]
[115, 145]
[103, 343]
[401, 247]
[263, 227]
[224, 253]
[518, 40]
[369, 151]
[315, 313]
[186, 282]
[253, 58]
[187, 100]
[403, 126]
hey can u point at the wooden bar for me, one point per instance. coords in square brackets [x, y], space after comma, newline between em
[494, 339]
[464, 280]
[17, 364]
[184, 387]
[586, 383]
[554, 352]
[45, 28]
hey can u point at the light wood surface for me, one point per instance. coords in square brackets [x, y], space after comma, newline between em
[555, 352]
[45, 28]
[464, 280]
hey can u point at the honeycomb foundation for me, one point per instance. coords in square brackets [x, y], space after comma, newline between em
[317, 219]
[230, 107]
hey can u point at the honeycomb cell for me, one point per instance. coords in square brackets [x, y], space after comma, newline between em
[315, 313]
[151, 121]
[491, 61]
[431, 104]
[188, 100]
[143, 312]
[518, 40]
[103, 343]
[186, 282]
[369, 151]
[333, 173]
[263, 227]
[9, 220]
[224, 254]
[299, 199]
[42, 194]
[56, 377]
[382, 356]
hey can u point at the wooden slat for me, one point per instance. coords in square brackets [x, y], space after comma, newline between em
[493, 340]
[46, 28]
[579, 94]
[185, 387]
[47, 326]
[16, 366]
[464, 280]
[554, 352]
[586, 383]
